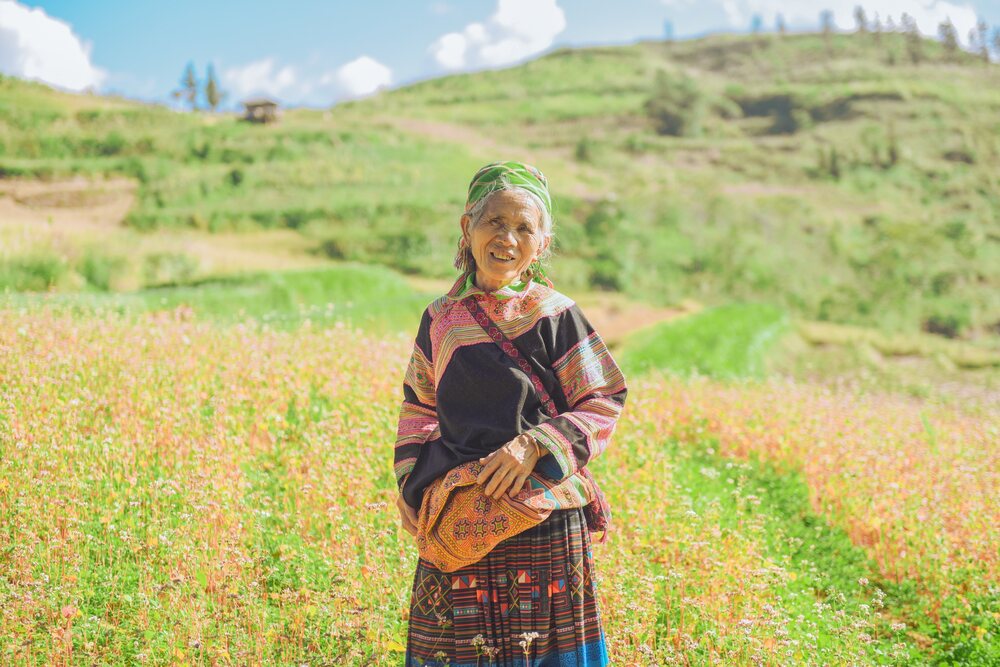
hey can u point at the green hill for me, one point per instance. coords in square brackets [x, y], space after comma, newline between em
[835, 179]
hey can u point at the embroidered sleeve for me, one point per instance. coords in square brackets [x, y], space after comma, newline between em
[595, 391]
[418, 421]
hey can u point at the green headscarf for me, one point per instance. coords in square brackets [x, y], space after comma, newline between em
[503, 175]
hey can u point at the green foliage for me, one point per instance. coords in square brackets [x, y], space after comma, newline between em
[726, 342]
[369, 297]
[168, 268]
[802, 160]
[213, 94]
[35, 272]
[826, 565]
[677, 105]
[100, 269]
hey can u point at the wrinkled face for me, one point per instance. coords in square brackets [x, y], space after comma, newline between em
[507, 238]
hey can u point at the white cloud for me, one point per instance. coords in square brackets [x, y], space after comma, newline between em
[516, 30]
[449, 50]
[928, 13]
[363, 76]
[260, 77]
[34, 45]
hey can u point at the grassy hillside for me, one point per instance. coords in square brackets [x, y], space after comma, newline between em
[834, 179]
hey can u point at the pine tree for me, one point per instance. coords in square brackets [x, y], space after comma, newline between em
[213, 94]
[996, 41]
[861, 19]
[877, 29]
[189, 88]
[890, 25]
[983, 39]
[914, 42]
[949, 37]
[826, 22]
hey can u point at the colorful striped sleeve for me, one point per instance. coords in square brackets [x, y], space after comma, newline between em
[595, 391]
[418, 420]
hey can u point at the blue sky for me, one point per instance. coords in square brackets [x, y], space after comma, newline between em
[315, 53]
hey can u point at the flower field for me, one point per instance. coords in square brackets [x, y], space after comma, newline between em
[179, 492]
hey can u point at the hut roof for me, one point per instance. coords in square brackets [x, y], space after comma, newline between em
[260, 102]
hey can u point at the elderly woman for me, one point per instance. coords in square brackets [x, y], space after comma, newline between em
[507, 374]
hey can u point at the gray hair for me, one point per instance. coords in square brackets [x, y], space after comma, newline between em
[465, 261]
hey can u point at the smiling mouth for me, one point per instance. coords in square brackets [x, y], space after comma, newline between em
[501, 256]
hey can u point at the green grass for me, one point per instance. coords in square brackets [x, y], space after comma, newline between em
[831, 178]
[368, 297]
[826, 571]
[724, 342]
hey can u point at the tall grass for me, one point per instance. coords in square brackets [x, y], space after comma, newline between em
[173, 490]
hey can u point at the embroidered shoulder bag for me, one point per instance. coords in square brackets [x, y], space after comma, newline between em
[458, 524]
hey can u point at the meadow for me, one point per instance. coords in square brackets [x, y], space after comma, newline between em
[176, 490]
[204, 326]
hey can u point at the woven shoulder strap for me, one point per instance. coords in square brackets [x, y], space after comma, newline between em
[505, 344]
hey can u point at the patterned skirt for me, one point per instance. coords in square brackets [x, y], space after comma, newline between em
[530, 601]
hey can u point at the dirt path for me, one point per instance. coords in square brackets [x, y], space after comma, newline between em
[615, 316]
[72, 205]
[70, 214]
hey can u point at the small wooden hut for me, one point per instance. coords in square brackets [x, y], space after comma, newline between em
[260, 110]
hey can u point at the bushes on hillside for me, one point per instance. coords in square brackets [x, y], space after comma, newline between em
[35, 272]
[677, 106]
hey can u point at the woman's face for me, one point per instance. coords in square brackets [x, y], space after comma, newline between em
[508, 237]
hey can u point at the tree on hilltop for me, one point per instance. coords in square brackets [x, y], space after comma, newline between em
[979, 40]
[982, 32]
[861, 20]
[780, 24]
[213, 94]
[949, 37]
[996, 41]
[826, 23]
[914, 42]
[189, 88]
[877, 29]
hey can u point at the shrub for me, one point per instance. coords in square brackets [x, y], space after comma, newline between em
[168, 267]
[36, 272]
[100, 270]
[677, 105]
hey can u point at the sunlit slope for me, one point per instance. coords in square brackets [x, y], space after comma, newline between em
[835, 179]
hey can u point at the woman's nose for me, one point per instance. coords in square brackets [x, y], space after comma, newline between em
[507, 236]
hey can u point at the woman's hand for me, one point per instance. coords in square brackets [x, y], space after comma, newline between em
[408, 515]
[507, 468]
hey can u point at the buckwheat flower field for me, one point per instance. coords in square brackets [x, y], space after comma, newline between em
[179, 492]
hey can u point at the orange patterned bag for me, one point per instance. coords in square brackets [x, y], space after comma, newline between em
[458, 524]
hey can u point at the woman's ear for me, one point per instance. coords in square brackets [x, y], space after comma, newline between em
[543, 247]
[465, 222]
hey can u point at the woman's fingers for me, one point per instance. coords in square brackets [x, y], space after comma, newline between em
[505, 484]
[518, 484]
[491, 466]
[497, 481]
